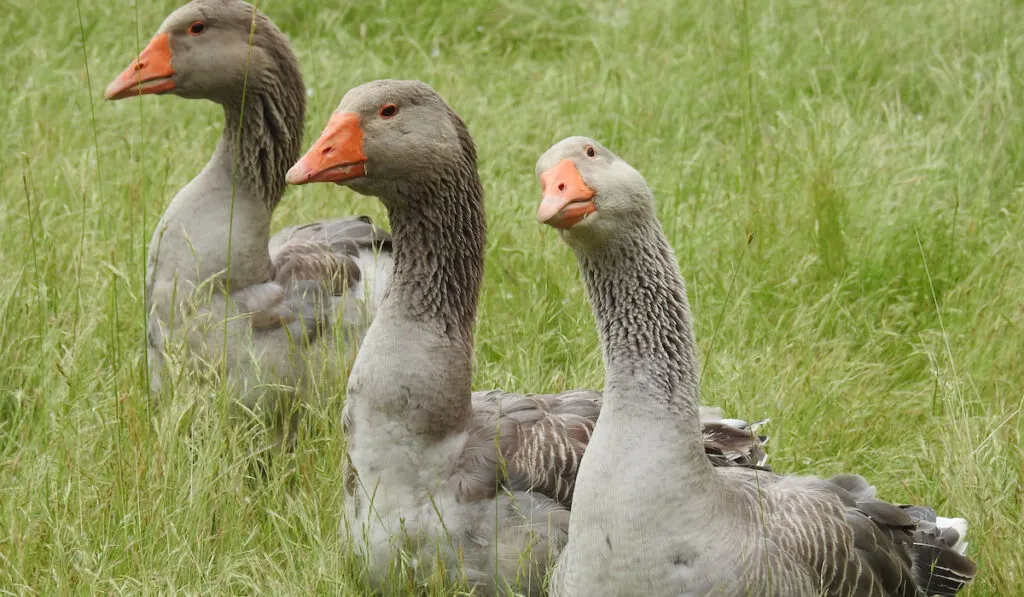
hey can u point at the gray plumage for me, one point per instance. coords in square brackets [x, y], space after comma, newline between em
[483, 481]
[650, 516]
[282, 298]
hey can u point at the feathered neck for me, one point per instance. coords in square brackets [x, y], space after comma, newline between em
[263, 127]
[643, 316]
[439, 231]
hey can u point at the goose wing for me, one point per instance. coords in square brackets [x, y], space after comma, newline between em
[534, 442]
[329, 253]
[319, 267]
[540, 437]
[857, 544]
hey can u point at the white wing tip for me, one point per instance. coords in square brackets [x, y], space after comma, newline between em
[715, 414]
[960, 525]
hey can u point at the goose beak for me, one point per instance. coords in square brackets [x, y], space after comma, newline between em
[336, 156]
[151, 72]
[567, 199]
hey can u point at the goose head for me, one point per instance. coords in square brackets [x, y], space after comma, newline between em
[590, 194]
[203, 51]
[385, 138]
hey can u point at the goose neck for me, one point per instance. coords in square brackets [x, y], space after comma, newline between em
[262, 134]
[223, 216]
[643, 316]
[439, 232]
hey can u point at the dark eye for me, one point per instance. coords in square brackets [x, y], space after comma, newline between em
[388, 111]
[197, 28]
[590, 151]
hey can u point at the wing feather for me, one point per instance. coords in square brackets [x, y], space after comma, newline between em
[855, 543]
[311, 264]
[326, 252]
[535, 442]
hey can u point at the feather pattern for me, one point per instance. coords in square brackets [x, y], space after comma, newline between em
[848, 542]
[308, 251]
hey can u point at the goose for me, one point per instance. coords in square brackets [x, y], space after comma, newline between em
[473, 480]
[212, 260]
[650, 516]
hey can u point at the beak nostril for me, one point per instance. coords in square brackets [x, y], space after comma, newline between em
[561, 187]
[327, 150]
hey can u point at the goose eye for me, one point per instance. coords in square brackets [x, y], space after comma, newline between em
[388, 111]
[197, 28]
[590, 151]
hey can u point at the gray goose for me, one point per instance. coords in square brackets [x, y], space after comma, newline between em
[285, 294]
[652, 517]
[481, 476]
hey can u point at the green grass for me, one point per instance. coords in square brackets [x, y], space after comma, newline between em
[841, 182]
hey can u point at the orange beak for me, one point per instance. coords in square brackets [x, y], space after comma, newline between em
[151, 72]
[336, 156]
[567, 199]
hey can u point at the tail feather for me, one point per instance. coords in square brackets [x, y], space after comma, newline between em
[940, 566]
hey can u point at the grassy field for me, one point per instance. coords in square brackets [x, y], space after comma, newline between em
[842, 182]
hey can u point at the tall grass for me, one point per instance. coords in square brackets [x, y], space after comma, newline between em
[841, 182]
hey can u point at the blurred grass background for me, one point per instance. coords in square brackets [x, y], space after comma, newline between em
[841, 182]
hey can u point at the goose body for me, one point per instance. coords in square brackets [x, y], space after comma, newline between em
[481, 481]
[212, 261]
[650, 515]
